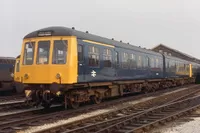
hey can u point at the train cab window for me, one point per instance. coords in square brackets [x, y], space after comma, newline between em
[93, 54]
[107, 57]
[29, 53]
[80, 53]
[125, 60]
[43, 52]
[60, 52]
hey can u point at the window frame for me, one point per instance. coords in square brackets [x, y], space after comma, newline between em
[37, 55]
[125, 58]
[95, 54]
[33, 53]
[108, 55]
[65, 53]
[132, 61]
[139, 59]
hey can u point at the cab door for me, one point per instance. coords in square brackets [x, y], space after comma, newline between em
[81, 63]
[17, 77]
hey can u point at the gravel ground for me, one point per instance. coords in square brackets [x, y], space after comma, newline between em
[86, 115]
[188, 124]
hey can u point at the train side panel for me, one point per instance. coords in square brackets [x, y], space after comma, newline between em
[100, 62]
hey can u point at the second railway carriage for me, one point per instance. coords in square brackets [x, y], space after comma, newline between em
[175, 67]
[6, 71]
[60, 64]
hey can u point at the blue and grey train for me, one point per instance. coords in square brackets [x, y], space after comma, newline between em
[59, 64]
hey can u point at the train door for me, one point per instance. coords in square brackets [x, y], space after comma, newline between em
[17, 76]
[81, 63]
[147, 66]
[116, 63]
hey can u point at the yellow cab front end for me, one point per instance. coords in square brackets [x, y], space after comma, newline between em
[47, 63]
[17, 77]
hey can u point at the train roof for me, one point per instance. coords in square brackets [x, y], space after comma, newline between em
[7, 58]
[64, 31]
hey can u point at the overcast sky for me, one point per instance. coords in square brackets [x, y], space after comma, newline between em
[145, 23]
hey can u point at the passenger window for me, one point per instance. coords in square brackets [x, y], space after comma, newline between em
[152, 63]
[107, 57]
[132, 60]
[139, 62]
[80, 53]
[145, 61]
[125, 60]
[157, 63]
[60, 52]
[93, 56]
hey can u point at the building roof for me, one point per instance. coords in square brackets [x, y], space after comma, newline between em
[189, 57]
[6, 58]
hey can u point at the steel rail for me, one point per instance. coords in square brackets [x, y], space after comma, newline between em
[136, 109]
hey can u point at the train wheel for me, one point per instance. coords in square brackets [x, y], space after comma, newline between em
[73, 104]
[96, 99]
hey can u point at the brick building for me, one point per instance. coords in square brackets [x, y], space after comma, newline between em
[173, 52]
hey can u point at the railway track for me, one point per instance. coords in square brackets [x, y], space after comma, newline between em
[137, 109]
[13, 105]
[26, 119]
[143, 122]
[17, 103]
[8, 103]
[11, 98]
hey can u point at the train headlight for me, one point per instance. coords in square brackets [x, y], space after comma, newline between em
[26, 76]
[58, 75]
[58, 93]
[28, 93]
